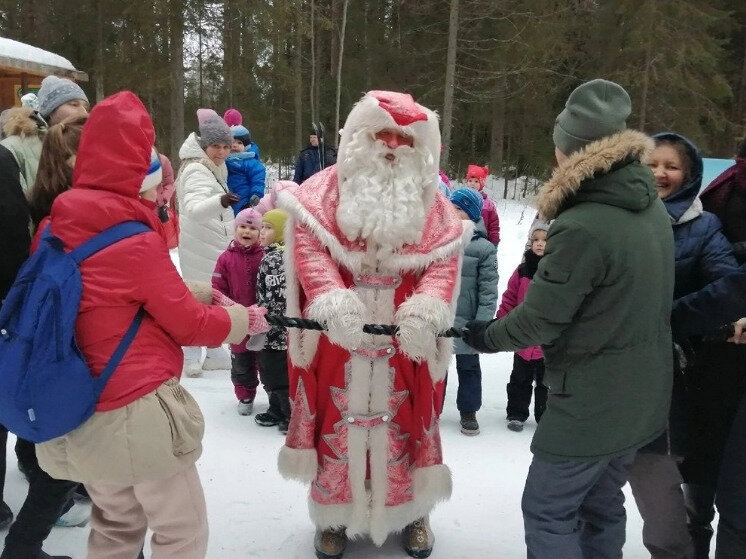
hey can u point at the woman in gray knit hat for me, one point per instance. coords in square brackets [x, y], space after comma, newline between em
[60, 98]
[205, 216]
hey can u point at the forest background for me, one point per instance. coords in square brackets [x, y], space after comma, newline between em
[497, 71]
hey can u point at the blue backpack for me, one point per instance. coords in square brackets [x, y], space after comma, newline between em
[46, 387]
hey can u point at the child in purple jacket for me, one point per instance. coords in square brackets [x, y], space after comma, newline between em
[528, 364]
[235, 277]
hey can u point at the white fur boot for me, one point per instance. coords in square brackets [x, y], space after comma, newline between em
[217, 359]
[192, 361]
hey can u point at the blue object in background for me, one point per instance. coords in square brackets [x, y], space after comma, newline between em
[713, 168]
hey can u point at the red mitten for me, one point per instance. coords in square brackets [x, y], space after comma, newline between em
[220, 299]
[257, 322]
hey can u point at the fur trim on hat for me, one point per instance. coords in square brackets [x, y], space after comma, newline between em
[596, 157]
[368, 115]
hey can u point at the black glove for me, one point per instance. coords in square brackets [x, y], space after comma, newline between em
[254, 200]
[475, 335]
[228, 199]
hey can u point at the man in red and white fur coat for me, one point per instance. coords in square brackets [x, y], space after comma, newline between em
[373, 241]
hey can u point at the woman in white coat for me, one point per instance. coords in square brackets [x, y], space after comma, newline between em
[205, 216]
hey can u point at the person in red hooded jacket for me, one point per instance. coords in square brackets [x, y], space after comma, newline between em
[136, 455]
[476, 177]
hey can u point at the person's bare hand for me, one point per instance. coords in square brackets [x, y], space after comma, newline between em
[739, 336]
[228, 199]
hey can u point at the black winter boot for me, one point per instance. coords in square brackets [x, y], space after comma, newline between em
[700, 511]
[469, 424]
[6, 515]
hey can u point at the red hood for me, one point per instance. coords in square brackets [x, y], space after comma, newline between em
[112, 160]
[114, 152]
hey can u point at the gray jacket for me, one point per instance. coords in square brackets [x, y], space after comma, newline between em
[477, 299]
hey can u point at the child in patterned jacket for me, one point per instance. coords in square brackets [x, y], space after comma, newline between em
[270, 294]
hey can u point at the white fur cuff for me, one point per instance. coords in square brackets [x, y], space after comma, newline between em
[420, 318]
[342, 313]
[299, 464]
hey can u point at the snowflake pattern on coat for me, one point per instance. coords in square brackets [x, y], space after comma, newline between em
[270, 293]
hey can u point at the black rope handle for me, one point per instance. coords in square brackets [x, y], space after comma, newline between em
[722, 334]
[378, 329]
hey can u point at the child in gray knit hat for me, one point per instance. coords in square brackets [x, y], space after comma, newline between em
[60, 98]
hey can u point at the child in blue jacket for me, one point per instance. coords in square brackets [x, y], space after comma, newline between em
[246, 173]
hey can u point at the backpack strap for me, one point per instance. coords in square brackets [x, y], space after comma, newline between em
[99, 242]
[119, 352]
[108, 237]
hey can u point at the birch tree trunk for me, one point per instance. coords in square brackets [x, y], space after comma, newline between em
[99, 48]
[298, 78]
[450, 82]
[313, 63]
[339, 69]
[741, 107]
[176, 42]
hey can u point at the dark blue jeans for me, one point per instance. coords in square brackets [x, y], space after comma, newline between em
[469, 395]
[575, 510]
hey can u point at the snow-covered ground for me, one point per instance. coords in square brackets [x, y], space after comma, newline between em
[254, 513]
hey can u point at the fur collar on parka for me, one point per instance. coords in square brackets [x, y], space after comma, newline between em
[18, 122]
[597, 158]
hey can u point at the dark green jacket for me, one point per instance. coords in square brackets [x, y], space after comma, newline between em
[600, 304]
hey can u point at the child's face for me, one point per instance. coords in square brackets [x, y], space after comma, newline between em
[246, 235]
[461, 213]
[267, 235]
[237, 146]
[539, 242]
[473, 183]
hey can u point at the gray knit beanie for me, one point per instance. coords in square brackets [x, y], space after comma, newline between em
[212, 129]
[538, 225]
[595, 109]
[56, 91]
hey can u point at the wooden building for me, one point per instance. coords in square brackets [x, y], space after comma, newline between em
[22, 67]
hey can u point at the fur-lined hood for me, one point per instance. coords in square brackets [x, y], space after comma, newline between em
[576, 176]
[18, 122]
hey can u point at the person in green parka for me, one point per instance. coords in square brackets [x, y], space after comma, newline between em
[599, 306]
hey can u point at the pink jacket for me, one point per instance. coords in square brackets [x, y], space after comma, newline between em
[235, 277]
[514, 296]
[491, 221]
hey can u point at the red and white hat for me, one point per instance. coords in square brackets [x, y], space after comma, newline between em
[391, 110]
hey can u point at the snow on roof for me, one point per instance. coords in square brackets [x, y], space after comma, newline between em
[22, 51]
[48, 62]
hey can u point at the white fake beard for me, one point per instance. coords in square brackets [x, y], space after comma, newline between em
[383, 201]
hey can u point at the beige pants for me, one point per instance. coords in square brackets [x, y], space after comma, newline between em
[173, 508]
